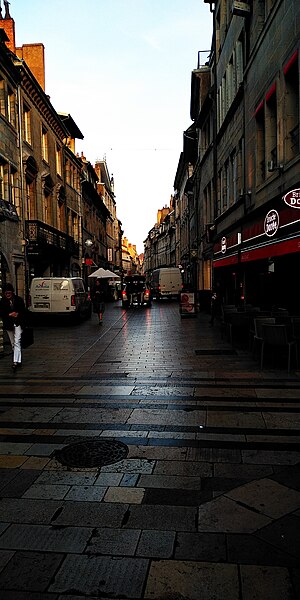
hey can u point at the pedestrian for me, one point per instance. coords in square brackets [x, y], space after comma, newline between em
[13, 314]
[98, 297]
[215, 305]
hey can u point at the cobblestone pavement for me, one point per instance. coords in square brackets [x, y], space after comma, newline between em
[205, 503]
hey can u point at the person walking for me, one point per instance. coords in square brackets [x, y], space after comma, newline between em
[98, 297]
[13, 313]
[215, 304]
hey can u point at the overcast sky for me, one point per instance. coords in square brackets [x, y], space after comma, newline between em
[122, 69]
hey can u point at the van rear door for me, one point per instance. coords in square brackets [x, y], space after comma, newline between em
[61, 295]
[40, 295]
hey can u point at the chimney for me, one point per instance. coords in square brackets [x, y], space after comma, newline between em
[33, 54]
[8, 24]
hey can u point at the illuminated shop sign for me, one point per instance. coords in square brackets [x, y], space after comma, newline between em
[223, 245]
[271, 223]
[292, 198]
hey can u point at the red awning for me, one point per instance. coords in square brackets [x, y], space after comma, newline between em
[271, 250]
[227, 261]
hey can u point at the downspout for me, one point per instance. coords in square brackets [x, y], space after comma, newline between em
[23, 197]
[215, 120]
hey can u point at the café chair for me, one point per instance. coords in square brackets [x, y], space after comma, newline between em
[255, 334]
[275, 336]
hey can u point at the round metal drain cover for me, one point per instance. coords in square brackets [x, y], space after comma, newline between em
[92, 453]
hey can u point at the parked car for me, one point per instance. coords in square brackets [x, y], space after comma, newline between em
[135, 291]
[59, 296]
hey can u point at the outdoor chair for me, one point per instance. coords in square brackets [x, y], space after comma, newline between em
[255, 334]
[275, 336]
[296, 329]
[226, 312]
[238, 326]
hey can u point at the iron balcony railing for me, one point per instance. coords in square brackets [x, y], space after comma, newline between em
[44, 235]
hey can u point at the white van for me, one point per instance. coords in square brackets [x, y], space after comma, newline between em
[166, 283]
[59, 296]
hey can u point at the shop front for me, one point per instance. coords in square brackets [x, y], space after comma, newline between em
[259, 263]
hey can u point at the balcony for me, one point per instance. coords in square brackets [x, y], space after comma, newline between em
[43, 237]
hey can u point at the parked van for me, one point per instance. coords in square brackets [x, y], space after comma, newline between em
[166, 283]
[59, 296]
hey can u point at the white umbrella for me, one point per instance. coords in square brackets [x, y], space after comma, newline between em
[112, 274]
[104, 274]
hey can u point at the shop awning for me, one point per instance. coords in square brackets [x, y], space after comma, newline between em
[270, 250]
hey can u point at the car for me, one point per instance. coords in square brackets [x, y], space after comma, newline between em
[135, 291]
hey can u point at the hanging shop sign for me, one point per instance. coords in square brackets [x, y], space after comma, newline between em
[271, 223]
[292, 198]
[223, 245]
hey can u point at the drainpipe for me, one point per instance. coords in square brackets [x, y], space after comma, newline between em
[23, 196]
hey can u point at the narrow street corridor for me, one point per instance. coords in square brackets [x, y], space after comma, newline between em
[201, 498]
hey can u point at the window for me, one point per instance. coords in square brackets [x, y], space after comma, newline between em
[4, 181]
[234, 174]
[291, 100]
[73, 225]
[58, 160]
[11, 106]
[47, 209]
[260, 143]
[13, 191]
[45, 155]
[271, 127]
[2, 97]
[26, 124]
[239, 63]
[31, 212]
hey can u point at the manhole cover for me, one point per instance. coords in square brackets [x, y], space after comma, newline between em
[92, 453]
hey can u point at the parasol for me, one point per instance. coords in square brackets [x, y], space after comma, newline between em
[104, 274]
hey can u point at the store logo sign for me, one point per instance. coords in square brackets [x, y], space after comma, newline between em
[223, 245]
[271, 223]
[292, 198]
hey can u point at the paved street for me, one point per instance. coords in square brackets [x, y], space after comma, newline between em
[205, 505]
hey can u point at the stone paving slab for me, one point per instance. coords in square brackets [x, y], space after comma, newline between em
[255, 550]
[269, 583]
[5, 556]
[217, 516]
[19, 484]
[21, 510]
[171, 518]
[156, 544]
[169, 481]
[47, 492]
[109, 575]
[86, 415]
[46, 539]
[106, 390]
[95, 515]
[267, 497]
[30, 571]
[118, 542]
[192, 580]
[86, 494]
[178, 417]
[283, 534]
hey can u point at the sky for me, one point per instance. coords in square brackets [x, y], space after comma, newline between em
[122, 70]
